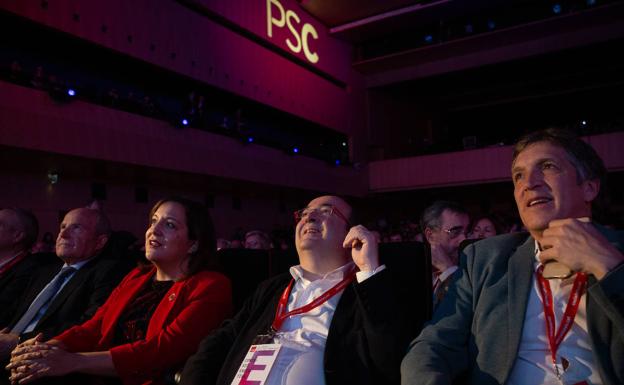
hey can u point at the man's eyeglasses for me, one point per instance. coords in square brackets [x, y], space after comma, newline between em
[324, 212]
[456, 231]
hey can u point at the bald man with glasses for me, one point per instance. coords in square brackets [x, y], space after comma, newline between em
[445, 226]
[338, 317]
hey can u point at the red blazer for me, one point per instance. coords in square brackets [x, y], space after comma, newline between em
[186, 314]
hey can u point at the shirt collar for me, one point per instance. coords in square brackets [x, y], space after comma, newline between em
[78, 265]
[537, 252]
[335, 275]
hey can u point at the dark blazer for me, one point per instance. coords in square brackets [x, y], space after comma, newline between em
[477, 329]
[367, 337]
[13, 283]
[187, 313]
[79, 299]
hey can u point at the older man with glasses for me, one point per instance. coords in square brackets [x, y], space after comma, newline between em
[445, 226]
[338, 317]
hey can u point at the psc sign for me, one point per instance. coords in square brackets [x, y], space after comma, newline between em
[290, 19]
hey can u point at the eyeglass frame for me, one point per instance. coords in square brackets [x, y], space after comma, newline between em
[452, 230]
[333, 210]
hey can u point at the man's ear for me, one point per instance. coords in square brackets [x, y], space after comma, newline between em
[101, 242]
[429, 235]
[591, 188]
[19, 237]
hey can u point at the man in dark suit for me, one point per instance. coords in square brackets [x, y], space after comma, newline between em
[70, 290]
[444, 225]
[341, 319]
[18, 232]
[539, 308]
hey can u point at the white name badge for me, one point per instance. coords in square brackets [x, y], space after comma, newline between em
[256, 365]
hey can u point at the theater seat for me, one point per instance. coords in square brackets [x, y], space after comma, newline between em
[411, 266]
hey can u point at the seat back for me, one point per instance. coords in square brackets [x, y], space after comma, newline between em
[411, 266]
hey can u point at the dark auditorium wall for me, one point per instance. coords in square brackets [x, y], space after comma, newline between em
[229, 51]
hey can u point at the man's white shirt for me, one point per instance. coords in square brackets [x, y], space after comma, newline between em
[303, 337]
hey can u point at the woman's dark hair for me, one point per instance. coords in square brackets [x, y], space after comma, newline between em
[498, 227]
[200, 229]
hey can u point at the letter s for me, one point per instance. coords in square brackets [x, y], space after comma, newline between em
[291, 15]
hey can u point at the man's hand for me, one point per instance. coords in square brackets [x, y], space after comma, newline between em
[578, 245]
[363, 247]
[8, 342]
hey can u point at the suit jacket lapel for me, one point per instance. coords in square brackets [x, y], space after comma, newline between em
[340, 322]
[43, 277]
[72, 285]
[520, 272]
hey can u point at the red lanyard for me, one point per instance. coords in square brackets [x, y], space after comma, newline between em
[281, 314]
[555, 339]
[12, 262]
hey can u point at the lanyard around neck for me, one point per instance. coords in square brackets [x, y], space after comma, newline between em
[281, 314]
[556, 337]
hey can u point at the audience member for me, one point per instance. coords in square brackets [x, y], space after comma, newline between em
[45, 245]
[70, 290]
[395, 237]
[484, 227]
[236, 244]
[154, 319]
[445, 225]
[513, 319]
[222, 244]
[336, 318]
[18, 232]
[38, 79]
[257, 240]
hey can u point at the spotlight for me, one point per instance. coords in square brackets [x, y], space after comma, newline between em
[295, 150]
[250, 139]
[468, 28]
[184, 122]
[344, 144]
[491, 24]
[337, 162]
[591, 3]
[428, 39]
[583, 122]
[556, 9]
[61, 93]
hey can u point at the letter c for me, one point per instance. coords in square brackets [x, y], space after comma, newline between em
[308, 29]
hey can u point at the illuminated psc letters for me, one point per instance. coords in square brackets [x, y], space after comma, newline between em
[290, 19]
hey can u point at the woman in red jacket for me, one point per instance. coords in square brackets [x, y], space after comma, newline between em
[154, 320]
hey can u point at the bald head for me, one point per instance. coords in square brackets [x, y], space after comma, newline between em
[320, 232]
[82, 234]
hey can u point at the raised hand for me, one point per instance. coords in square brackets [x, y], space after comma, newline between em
[580, 246]
[363, 245]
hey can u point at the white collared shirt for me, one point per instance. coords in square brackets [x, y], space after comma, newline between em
[534, 363]
[439, 278]
[303, 337]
